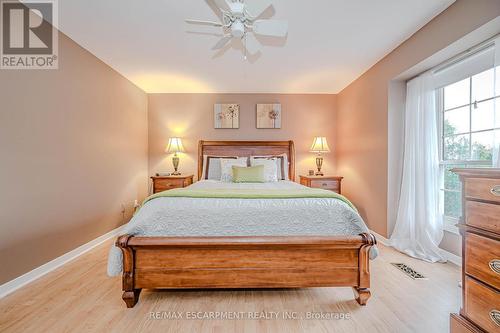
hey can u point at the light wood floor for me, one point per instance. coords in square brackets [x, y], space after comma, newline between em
[80, 297]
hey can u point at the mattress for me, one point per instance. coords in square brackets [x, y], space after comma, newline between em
[199, 217]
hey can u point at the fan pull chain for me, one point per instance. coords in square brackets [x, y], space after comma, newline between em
[245, 43]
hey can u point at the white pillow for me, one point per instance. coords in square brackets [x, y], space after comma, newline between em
[211, 166]
[226, 167]
[281, 164]
[270, 168]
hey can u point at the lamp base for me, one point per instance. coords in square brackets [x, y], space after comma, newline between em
[319, 164]
[175, 162]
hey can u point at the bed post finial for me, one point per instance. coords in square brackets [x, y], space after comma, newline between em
[122, 241]
[369, 238]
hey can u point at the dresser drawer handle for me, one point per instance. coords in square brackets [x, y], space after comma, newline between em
[495, 190]
[324, 184]
[495, 317]
[495, 265]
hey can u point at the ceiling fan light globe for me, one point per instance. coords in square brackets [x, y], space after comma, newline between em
[237, 29]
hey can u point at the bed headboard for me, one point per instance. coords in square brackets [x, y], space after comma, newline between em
[247, 148]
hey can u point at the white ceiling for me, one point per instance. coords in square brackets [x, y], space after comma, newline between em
[330, 42]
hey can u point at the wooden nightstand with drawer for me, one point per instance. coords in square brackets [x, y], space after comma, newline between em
[163, 183]
[332, 183]
[480, 230]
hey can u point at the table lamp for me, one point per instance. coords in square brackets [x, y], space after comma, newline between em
[319, 146]
[175, 146]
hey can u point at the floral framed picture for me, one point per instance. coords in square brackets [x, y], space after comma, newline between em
[226, 116]
[268, 115]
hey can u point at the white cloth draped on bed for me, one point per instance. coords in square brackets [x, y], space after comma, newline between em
[180, 216]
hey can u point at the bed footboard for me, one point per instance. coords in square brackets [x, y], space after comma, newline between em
[245, 262]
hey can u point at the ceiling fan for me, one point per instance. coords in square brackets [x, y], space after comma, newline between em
[240, 21]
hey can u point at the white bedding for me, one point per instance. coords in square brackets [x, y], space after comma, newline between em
[178, 216]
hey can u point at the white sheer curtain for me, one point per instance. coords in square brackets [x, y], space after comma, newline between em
[419, 223]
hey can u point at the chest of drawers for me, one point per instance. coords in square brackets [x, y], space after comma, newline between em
[480, 230]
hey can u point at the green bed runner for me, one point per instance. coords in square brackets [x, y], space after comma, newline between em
[249, 194]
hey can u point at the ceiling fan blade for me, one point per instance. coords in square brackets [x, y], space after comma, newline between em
[214, 24]
[257, 7]
[222, 42]
[223, 4]
[251, 44]
[275, 28]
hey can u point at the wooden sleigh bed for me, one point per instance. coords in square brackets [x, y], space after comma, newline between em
[245, 262]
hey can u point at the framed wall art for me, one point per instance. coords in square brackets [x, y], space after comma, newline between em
[226, 116]
[268, 115]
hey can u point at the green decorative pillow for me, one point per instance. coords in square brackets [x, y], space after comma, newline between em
[253, 174]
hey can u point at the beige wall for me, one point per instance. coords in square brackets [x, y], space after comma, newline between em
[362, 136]
[190, 116]
[73, 145]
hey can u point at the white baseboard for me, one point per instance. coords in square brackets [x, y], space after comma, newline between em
[40, 271]
[453, 258]
[449, 256]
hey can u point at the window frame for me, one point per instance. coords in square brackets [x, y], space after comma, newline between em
[450, 221]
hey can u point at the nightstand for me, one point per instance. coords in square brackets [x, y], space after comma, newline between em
[163, 183]
[332, 183]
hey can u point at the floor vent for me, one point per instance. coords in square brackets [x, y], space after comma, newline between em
[409, 271]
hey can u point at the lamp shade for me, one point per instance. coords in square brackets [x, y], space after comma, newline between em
[320, 145]
[174, 146]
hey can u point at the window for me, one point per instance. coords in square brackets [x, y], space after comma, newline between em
[467, 126]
